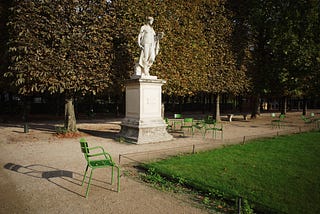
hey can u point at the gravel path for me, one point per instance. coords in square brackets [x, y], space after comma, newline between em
[41, 173]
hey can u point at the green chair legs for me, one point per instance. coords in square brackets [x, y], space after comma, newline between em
[90, 178]
[100, 159]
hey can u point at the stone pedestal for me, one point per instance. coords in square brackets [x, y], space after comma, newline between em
[143, 122]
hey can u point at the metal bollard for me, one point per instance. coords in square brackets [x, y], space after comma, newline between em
[26, 128]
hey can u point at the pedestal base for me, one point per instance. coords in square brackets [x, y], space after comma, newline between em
[141, 132]
[143, 122]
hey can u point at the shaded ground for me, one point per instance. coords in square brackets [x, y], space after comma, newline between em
[41, 173]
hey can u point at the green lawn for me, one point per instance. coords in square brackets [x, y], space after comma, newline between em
[279, 174]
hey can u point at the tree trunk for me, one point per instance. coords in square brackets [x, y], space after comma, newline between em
[255, 106]
[203, 103]
[284, 105]
[180, 104]
[305, 106]
[218, 119]
[57, 105]
[26, 109]
[70, 118]
[173, 103]
[210, 101]
[240, 103]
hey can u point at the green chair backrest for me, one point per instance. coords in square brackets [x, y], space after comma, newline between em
[209, 120]
[188, 120]
[282, 116]
[169, 125]
[177, 116]
[84, 147]
[304, 118]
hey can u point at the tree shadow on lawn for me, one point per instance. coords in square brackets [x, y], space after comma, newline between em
[51, 174]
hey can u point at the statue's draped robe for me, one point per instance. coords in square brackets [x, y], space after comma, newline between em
[150, 43]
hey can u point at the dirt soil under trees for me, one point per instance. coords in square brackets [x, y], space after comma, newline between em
[41, 172]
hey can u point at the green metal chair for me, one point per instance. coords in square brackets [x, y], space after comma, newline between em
[213, 126]
[306, 119]
[209, 119]
[218, 129]
[169, 124]
[277, 123]
[176, 122]
[97, 160]
[311, 121]
[281, 119]
[187, 124]
[199, 125]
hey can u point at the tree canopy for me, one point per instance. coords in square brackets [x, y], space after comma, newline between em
[225, 74]
[285, 35]
[4, 7]
[212, 46]
[60, 46]
[196, 54]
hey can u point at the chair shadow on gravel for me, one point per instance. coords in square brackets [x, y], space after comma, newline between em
[50, 174]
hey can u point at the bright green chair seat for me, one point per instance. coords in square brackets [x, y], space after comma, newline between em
[100, 163]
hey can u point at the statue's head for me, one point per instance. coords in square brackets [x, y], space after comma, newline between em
[150, 20]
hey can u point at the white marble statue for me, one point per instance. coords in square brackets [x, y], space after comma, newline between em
[149, 43]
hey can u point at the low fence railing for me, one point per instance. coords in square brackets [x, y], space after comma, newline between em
[152, 155]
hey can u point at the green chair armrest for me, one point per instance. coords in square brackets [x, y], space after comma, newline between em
[107, 155]
[96, 147]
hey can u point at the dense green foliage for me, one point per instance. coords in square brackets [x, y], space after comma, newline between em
[279, 174]
[60, 46]
[196, 53]
[285, 39]
[224, 73]
[83, 46]
[4, 6]
[266, 47]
